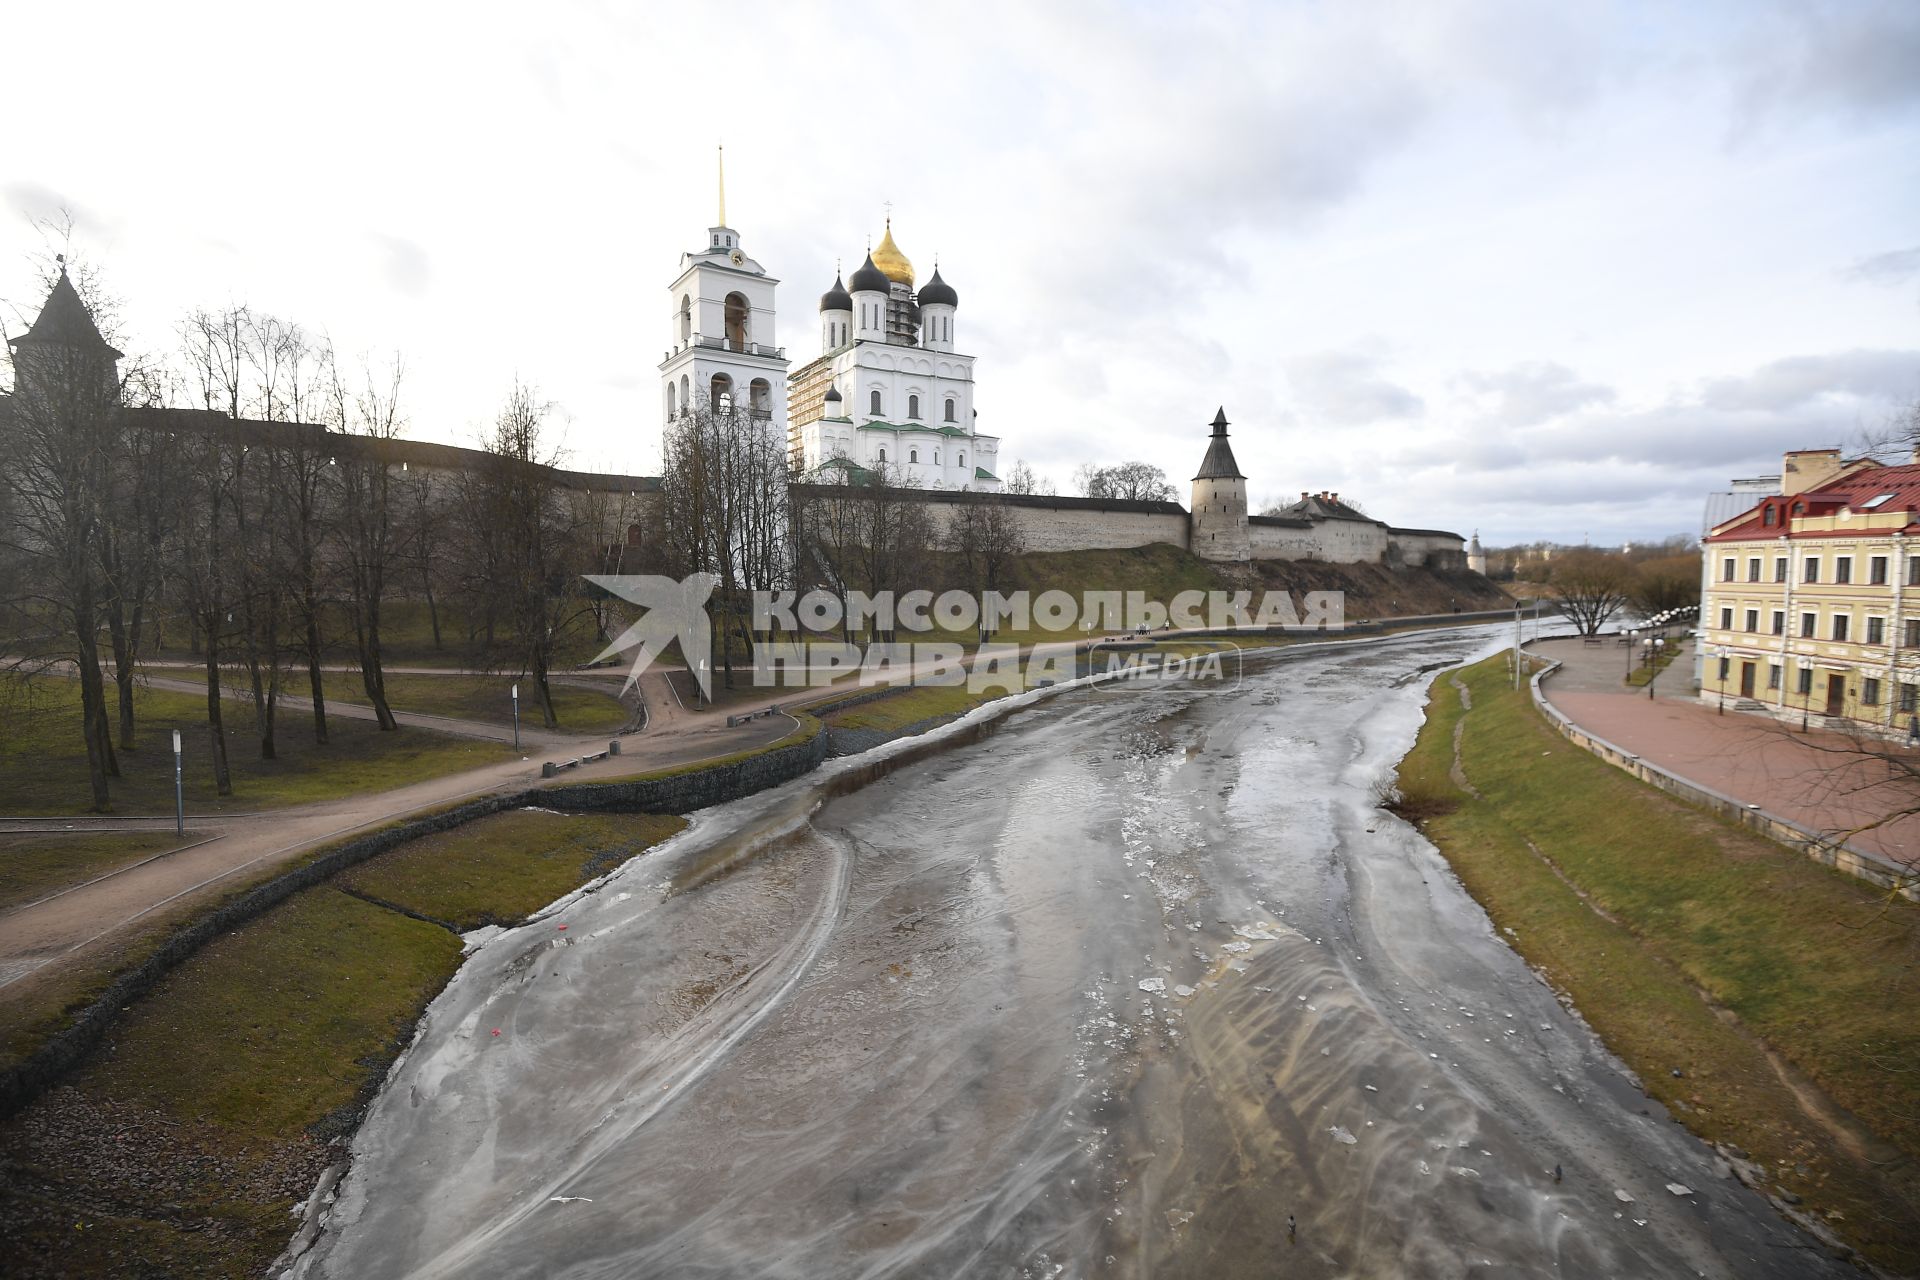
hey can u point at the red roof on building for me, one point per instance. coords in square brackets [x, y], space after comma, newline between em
[1876, 490]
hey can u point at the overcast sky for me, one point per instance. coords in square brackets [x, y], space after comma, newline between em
[1546, 270]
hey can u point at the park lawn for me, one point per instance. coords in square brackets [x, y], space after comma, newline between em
[909, 706]
[35, 864]
[222, 1086]
[501, 868]
[1816, 966]
[485, 698]
[44, 766]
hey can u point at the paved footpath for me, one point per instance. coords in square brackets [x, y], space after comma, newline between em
[1817, 779]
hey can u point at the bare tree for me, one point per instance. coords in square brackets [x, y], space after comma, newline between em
[1591, 587]
[1665, 583]
[1023, 480]
[724, 497]
[1124, 482]
[369, 518]
[534, 549]
[985, 538]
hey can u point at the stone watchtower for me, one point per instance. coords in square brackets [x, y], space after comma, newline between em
[1219, 520]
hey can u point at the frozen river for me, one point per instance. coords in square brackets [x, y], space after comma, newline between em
[1109, 988]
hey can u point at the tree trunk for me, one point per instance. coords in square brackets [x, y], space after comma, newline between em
[316, 685]
[92, 713]
[371, 675]
[122, 672]
[222, 780]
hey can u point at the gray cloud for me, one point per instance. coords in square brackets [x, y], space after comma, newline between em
[1894, 267]
[1800, 382]
[1533, 392]
[1859, 58]
[1345, 388]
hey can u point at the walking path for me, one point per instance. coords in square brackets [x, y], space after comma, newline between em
[1818, 779]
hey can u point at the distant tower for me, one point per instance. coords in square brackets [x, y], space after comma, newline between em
[1219, 517]
[65, 373]
[1476, 555]
[720, 341]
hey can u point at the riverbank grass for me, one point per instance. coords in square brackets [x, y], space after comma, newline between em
[1695, 947]
[35, 864]
[185, 1142]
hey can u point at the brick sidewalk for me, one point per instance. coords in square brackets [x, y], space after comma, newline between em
[1810, 778]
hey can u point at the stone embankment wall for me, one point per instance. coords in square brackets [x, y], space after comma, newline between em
[1821, 848]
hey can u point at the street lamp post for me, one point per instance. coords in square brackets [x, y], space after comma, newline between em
[516, 717]
[1631, 633]
[179, 791]
[1721, 653]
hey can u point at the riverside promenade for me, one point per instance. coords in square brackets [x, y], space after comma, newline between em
[1818, 779]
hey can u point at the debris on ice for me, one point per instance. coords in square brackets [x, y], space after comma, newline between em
[1153, 984]
[1679, 1189]
[1341, 1135]
[1622, 1196]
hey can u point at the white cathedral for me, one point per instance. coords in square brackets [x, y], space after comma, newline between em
[888, 395]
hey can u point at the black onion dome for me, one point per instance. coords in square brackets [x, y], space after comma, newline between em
[869, 279]
[836, 298]
[938, 293]
[833, 393]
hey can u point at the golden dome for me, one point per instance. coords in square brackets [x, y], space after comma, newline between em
[891, 261]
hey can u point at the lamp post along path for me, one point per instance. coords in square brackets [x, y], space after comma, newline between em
[516, 717]
[179, 791]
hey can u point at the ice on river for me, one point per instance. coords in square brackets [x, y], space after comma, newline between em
[1026, 1007]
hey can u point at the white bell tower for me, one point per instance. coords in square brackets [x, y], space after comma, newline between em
[721, 348]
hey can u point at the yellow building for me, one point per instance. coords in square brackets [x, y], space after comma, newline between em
[1812, 602]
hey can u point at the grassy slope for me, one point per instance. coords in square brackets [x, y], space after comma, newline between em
[1816, 965]
[34, 865]
[485, 698]
[43, 762]
[908, 706]
[231, 1074]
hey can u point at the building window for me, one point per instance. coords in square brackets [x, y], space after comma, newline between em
[1813, 570]
[1753, 569]
[1803, 683]
[1726, 569]
[1870, 692]
[963, 459]
[1843, 569]
[883, 453]
[873, 403]
[1753, 619]
[1808, 623]
[1769, 516]
[950, 408]
[1779, 622]
[1876, 630]
[1780, 569]
[913, 455]
[913, 407]
[1913, 633]
[1726, 665]
[1909, 699]
[936, 457]
[1726, 615]
[1877, 571]
[1773, 675]
[1842, 623]
[1913, 570]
